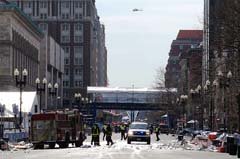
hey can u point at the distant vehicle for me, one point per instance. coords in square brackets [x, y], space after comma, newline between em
[164, 128]
[137, 10]
[57, 127]
[138, 131]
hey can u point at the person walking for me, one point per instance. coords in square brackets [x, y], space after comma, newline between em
[157, 131]
[95, 135]
[122, 131]
[109, 134]
[104, 131]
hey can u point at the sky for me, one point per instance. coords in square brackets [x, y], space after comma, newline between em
[138, 43]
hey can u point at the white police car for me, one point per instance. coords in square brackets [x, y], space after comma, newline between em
[138, 131]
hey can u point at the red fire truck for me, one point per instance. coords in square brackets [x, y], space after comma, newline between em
[57, 127]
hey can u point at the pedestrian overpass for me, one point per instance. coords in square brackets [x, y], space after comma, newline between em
[134, 99]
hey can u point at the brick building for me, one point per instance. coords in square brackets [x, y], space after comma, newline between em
[186, 39]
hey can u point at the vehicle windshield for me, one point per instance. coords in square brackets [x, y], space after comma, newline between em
[138, 126]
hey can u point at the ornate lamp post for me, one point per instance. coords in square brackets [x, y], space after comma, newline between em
[52, 91]
[183, 99]
[224, 82]
[40, 90]
[78, 98]
[210, 89]
[21, 81]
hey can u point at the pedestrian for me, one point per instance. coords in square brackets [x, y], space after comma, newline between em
[109, 134]
[104, 131]
[157, 131]
[95, 135]
[122, 131]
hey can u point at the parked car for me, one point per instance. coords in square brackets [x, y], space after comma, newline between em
[138, 131]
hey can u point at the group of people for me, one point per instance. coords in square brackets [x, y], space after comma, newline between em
[107, 132]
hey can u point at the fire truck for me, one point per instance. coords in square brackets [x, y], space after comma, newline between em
[57, 127]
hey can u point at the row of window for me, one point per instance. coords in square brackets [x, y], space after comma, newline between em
[77, 61]
[77, 71]
[66, 39]
[44, 4]
[77, 27]
[78, 50]
[77, 83]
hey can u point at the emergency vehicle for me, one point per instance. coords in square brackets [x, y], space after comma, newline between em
[57, 127]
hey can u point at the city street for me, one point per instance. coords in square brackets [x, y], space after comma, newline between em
[166, 148]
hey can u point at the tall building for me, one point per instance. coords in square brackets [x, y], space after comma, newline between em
[20, 45]
[221, 56]
[72, 23]
[186, 39]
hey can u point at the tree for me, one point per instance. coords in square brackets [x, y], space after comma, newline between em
[159, 78]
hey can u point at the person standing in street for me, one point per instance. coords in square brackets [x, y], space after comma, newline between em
[104, 131]
[109, 134]
[157, 131]
[95, 135]
[122, 131]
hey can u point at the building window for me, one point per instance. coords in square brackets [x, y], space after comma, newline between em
[43, 4]
[66, 49]
[78, 51]
[27, 4]
[78, 61]
[78, 39]
[65, 39]
[78, 71]
[43, 27]
[65, 27]
[43, 16]
[65, 83]
[66, 71]
[78, 83]
[78, 27]
[78, 16]
[78, 4]
[66, 61]
[180, 47]
[65, 5]
[65, 15]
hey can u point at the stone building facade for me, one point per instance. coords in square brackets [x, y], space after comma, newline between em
[52, 68]
[72, 23]
[20, 45]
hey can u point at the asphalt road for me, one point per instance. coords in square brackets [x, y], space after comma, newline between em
[164, 149]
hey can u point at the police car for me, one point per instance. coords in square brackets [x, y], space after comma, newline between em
[139, 131]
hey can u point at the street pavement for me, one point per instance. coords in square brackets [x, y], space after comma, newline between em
[166, 148]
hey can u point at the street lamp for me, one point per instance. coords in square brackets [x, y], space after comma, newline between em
[40, 90]
[21, 81]
[183, 99]
[52, 91]
[224, 82]
[78, 98]
[210, 88]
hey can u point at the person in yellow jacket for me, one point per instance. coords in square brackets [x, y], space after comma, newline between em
[123, 131]
[157, 132]
[95, 135]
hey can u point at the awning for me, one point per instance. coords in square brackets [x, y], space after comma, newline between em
[9, 99]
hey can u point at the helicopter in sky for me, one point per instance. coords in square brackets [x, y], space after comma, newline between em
[137, 10]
